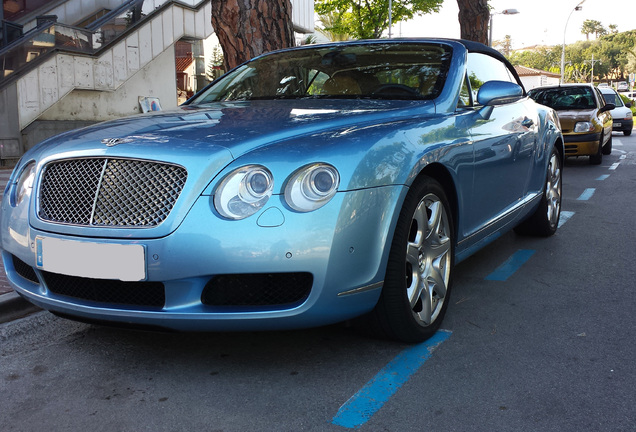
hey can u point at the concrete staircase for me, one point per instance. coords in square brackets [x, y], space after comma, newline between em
[60, 87]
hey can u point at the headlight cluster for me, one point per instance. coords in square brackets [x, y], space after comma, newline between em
[25, 183]
[245, 190]
[584, 127]
[311, 187]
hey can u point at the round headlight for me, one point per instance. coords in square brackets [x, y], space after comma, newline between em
[243, 192]
[257, 183]
[25, 183]
[322, 182]
[311, 187]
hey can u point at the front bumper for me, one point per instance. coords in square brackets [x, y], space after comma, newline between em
[621, 125]
[581, 144]
[343, 246]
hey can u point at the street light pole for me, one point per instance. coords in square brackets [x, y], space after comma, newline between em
[593, 61]
[390, 17]
[578, 7]
[503, 12]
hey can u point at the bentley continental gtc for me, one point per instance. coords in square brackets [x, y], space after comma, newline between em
[308, 186]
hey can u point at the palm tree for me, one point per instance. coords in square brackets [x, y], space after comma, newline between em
[592, 26]
[331, 27]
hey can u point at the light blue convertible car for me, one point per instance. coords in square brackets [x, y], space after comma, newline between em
[308, 186]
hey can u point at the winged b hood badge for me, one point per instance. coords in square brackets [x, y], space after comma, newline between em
[112, 142]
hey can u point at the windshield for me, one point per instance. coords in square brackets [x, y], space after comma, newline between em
[565, 98]
[613, 98]
[381, 71]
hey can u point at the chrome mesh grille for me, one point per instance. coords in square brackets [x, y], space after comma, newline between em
[109, 192]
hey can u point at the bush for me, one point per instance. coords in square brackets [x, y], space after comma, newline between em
[627, 100]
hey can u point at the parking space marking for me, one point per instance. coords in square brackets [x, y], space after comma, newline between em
[623, 157]
[603, 177]
[614, 166]
[565, 216]
[586, 195]
[375, 393]
[511, 265]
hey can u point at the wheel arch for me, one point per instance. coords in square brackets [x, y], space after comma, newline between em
[558, 144]
[441, 174]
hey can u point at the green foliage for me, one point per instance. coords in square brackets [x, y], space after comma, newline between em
[626, 101]
[543, 58]
[309, 40]
[614, 58]
[215, 65]
[504, 46]
[332, 27]
[367, 19]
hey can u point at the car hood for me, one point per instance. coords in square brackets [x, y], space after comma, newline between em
[568, 118]
[205, 139]
[237, 127]
[621, 112]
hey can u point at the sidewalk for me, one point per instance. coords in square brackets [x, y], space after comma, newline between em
[12, 306]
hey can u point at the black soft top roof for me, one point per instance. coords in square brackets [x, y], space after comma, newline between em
[473, 46]
[478, 47]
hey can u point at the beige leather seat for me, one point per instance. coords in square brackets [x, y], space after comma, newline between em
[341, 85]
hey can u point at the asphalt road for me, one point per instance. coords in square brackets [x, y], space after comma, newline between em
[544, 343]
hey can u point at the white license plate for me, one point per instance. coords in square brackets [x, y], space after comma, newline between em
[617, 125]
[126, 262]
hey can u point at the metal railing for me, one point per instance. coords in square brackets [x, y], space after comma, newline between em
[39, 42]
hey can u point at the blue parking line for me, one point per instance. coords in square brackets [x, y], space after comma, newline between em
[366, 402]
[511, 265]
[603, 177]
[586, 195]
[565, 216]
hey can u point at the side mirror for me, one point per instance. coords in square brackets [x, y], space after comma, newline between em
[628, 105]
[498, 93]
[607, 107]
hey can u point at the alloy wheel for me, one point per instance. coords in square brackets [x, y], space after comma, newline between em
[553, 189]
[428, 260]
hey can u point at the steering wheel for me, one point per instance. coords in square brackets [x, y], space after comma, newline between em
[397, 90]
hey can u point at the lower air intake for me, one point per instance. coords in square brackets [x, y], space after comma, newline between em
[261, 289]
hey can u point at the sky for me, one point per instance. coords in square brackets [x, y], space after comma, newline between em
[539, 22]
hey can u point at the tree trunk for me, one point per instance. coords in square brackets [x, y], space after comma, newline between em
[248, 28]
[473, 20]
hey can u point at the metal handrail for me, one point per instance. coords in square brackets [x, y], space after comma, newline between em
[25, 36]
[113, 14]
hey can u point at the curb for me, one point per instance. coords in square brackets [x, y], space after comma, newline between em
[12, 307]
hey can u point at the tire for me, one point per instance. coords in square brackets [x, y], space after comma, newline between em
[627, 132]
[418, 279]
[597, 159]
[545, 220]
[607, 148]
